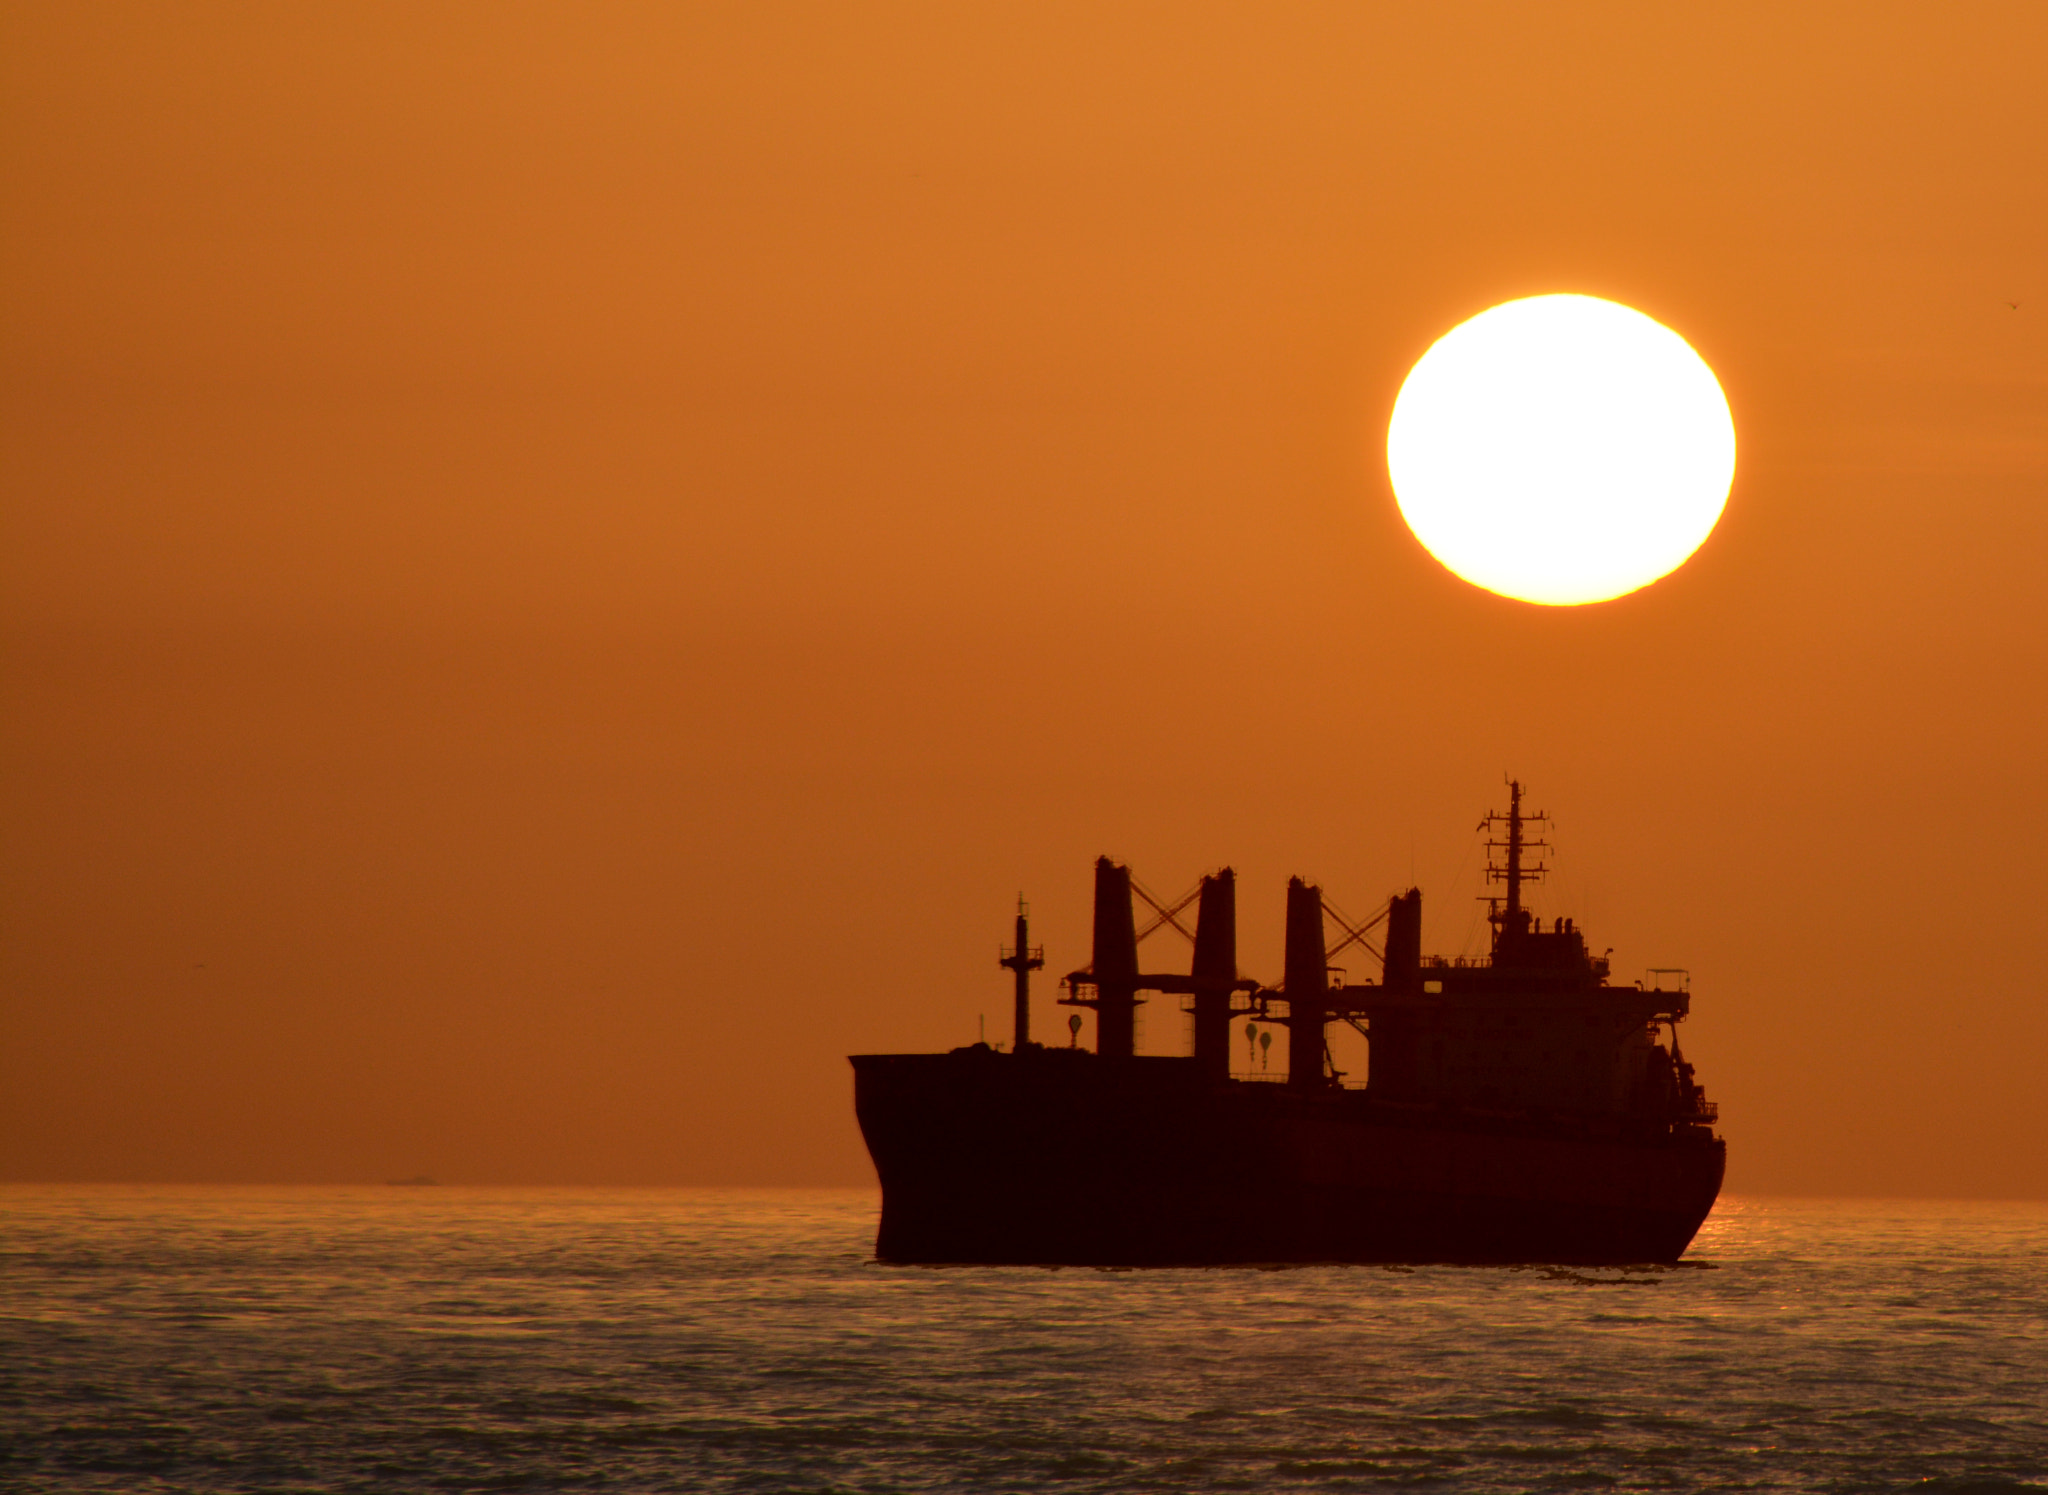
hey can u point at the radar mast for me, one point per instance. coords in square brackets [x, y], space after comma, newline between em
[1512, 921]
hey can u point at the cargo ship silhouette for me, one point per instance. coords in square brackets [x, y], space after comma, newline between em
[1517, 1107]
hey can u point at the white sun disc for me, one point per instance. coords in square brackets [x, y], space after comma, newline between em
[1561, 449]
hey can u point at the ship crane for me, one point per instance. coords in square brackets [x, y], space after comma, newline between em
[1111, 981]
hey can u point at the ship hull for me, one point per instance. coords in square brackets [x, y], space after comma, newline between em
[1058, 1157]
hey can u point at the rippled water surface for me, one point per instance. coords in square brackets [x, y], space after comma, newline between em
[447, 1339]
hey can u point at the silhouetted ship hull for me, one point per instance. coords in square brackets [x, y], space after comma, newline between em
[1058, 1156]
[1519, 1109]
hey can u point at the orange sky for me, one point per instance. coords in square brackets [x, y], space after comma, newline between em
[563, 565]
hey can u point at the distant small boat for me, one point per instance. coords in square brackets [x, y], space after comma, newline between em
[417, 1181]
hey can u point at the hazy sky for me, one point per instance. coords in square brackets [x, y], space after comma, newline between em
[564, 565]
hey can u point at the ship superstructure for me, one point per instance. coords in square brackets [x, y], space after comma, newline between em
[1517, 1106]
[1535, 1025]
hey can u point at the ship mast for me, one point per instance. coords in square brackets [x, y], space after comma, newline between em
[1512, 921]
[1023, 958]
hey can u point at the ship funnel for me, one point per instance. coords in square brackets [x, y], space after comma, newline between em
[1306, 985]
[1115, 966]
[1215, 972]
[1403, 970]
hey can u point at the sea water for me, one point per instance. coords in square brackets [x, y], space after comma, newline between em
[455, 1339]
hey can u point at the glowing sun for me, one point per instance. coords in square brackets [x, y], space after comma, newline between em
[1561, 449]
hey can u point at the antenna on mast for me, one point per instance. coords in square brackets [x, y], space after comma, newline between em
[1515, 869]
